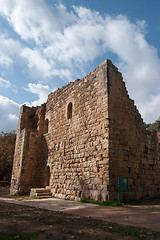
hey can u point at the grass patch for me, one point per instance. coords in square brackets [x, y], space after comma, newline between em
[135, 232]
[126, 230]
[102, 203]
[19, 236]
[34, 197]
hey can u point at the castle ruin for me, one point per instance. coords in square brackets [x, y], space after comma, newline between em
[83, 138]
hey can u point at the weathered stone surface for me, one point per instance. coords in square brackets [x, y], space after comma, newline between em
[83, 138]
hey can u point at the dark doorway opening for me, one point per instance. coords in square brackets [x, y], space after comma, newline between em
[47, 175]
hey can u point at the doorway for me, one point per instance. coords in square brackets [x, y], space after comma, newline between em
[47, 175]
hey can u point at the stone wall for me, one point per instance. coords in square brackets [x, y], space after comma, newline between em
[133, 151]
[78, 147]
[83, 138]
[30, 151]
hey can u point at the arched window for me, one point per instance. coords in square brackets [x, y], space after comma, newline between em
[69, 111]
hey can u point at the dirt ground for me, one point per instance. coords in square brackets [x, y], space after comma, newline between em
[23, 222]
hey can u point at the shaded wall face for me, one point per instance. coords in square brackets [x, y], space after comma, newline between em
[31, 151]
[133, 151]
[17, 164]
[78, 138]
[28, 118]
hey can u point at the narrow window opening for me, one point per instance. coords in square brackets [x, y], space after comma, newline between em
[46, 126]
[69, 111]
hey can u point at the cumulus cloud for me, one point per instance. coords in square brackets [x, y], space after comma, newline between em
[150, 111]
[13, 116]
[5, 83]
[40, 90]
[80, 42]
[8, 49]
[138, 60]
[38, 64]
[64, 41]
[4, 60]
[9, 113]
[42, 67]
[35, 20]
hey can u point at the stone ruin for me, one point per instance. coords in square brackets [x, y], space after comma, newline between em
[83, 138]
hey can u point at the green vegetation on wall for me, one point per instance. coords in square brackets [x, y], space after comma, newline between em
[154, 126]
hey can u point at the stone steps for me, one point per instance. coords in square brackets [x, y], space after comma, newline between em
[40, 193]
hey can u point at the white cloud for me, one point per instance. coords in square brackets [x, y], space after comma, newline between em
[43, 68]
[9, 112]
[81, 41]
[38, 64]
[35, 20]
[151, 110]
[9, 48]
[40, 90]
[12, 117]
[4, 60]
[5, 83]
[64, 41]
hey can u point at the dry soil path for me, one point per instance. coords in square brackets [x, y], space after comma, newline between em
[139, 216]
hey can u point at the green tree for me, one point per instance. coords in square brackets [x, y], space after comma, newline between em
[7, 145]
[154, 126]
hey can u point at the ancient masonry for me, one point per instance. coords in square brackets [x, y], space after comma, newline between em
[83, 138]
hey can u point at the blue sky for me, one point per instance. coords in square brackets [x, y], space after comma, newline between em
[44, 44]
